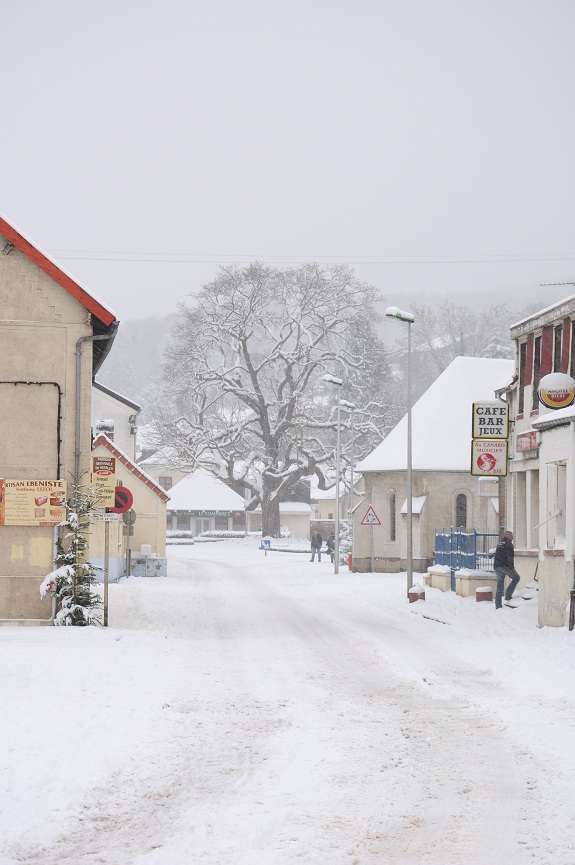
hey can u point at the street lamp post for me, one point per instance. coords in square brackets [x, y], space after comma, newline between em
[332, 379]
[409, 318]
[351, 407]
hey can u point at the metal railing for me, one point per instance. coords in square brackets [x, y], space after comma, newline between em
[459, 548]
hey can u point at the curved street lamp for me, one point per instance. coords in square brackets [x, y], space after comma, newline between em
[333, 379]
[350, 406]
[408, 318]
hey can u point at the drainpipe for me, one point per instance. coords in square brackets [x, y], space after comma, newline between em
[570, 511]
[77, 449]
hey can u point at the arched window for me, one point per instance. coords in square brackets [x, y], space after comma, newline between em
[392, 524]
[461, 511]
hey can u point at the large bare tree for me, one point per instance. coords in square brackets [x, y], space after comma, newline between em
[244, 378]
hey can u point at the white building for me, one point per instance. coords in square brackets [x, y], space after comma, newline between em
[445, 494]
[541, 500]
[201, 502]
[116, 417]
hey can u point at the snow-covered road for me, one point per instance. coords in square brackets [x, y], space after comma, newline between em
[258, 709]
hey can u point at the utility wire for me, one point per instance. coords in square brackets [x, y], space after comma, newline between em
[197, 258]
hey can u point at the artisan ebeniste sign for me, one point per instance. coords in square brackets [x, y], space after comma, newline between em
[32, 502]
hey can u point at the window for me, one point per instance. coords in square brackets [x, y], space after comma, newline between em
[522, 360]
[536, 371]
[461, 511]
[165, 482]
[221, 524]
[392, 518]
[557, 341]
[183, 522]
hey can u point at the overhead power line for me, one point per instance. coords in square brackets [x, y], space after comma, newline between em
[242, 258]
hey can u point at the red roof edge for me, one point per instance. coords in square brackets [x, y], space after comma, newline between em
[130, 465]
[54, 272]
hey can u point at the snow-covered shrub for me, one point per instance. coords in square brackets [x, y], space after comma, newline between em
[345, 540]
[220, 534]
[73, 579]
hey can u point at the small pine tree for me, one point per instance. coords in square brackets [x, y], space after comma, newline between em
[73, 580]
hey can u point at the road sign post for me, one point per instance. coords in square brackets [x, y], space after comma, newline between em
[371, 519]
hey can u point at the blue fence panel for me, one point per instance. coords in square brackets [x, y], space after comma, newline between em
[460, 549]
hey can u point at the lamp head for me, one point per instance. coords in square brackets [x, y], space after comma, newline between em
[394, 312]
[333, 379]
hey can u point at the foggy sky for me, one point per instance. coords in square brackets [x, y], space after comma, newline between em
[427, 144]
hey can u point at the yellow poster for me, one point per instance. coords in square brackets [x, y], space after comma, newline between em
[104, 481]
[32, 502]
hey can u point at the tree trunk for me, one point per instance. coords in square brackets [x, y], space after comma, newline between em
[271, 519]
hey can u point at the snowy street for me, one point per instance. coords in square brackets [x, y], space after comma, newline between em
[257, 709]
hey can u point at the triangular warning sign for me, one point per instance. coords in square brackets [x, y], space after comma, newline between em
[370, 518]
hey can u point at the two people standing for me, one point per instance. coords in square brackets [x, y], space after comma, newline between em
[504, 565]
[316, 544]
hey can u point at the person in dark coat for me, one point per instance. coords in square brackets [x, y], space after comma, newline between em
[316, 542]
[330, 546]
[504, 564]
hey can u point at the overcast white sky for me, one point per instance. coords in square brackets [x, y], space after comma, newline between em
[428, 143]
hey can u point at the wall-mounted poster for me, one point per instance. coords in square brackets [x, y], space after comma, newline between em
[104, 481]
[32, 502]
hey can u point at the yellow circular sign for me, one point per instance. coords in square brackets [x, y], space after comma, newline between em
[556, 390]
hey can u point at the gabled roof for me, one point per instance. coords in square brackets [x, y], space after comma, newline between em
[104, 441]
[202, 491]
[117, 396]
[441, 419]
[103, 319]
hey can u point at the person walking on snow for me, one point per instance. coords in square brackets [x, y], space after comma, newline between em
[504, 564]
[316, 542]
[330, 546]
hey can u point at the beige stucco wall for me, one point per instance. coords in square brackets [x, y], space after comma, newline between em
[150, 524]
[39, 328]
[441, 490]
[555, 581]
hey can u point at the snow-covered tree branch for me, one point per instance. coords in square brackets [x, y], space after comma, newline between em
[244, 378]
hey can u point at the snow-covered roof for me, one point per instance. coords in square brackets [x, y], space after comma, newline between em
[327, 495]
[417, 503]
[163, 457]
[117, 396]
[102, 440]
[441, 419]
[290, 508]
[544, 311]
[201, 491]
[556, 417]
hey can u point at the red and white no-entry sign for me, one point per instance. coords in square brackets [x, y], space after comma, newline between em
[123, 500]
